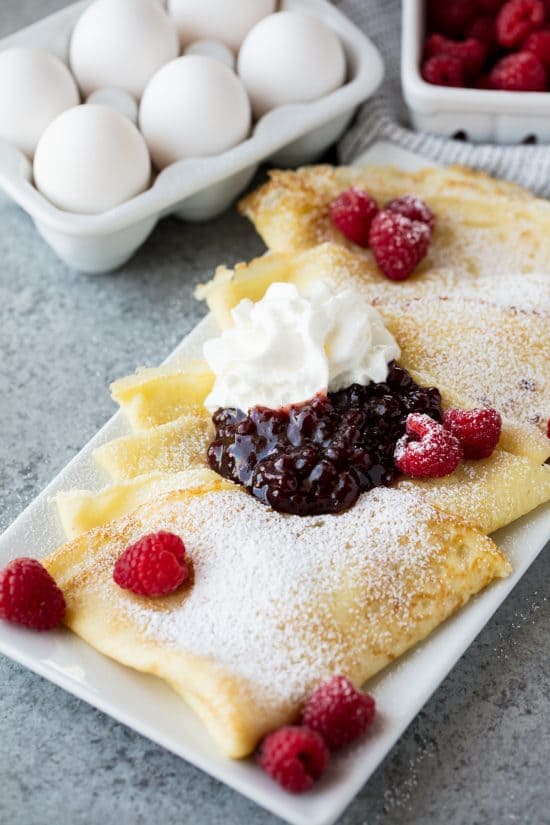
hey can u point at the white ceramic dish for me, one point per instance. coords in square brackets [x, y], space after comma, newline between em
[479, 116]
[150, 707]
[197, 188]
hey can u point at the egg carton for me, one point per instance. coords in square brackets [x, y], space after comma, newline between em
[194, 189]
[470, 114]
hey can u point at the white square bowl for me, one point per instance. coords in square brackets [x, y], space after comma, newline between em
[477, 115]
[197, 188]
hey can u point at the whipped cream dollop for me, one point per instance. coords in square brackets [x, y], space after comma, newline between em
[293, 344]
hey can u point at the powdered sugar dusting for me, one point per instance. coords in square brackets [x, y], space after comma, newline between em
[438, 275]
[483, 226]
[490, 492]
[485, 338]
[483, 353]
[489, 236]
[273, 595]
[528, 292]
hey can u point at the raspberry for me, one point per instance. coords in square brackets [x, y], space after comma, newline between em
[482, 82]
[484, 29]
[520, 72]
[29, 595]
[539, 44]
[338, 712]
[451, 17]
[517, 19]
[444, 70]
[413, 208]
[398, 244]
[153, 566]
[295, 757]
[427, 450]
[471, 53]
[436, 44]
[477, 430]
[490, 6]
[352, 213]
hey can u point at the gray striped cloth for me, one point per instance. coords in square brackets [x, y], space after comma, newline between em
[384, 117]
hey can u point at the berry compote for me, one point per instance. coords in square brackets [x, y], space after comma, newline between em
[318, 456]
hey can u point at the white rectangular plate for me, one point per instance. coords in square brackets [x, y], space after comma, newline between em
[150, 707]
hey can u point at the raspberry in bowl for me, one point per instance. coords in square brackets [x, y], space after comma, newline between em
[478, 70]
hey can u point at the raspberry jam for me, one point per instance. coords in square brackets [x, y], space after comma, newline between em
[317, 457]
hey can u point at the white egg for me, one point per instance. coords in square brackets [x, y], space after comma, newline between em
[225, 20]
[121, 44]
[35, 87]
[290, 57]
[214, 49]
[194, 106]
[91, 159]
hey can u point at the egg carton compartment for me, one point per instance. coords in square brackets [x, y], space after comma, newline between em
[466, 114]
[193, 189]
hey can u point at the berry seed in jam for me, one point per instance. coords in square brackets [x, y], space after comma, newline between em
[319, 456]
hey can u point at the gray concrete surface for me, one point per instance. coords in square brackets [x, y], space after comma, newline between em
[478, 752]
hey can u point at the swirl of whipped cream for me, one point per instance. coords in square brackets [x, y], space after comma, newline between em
[291, 345]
